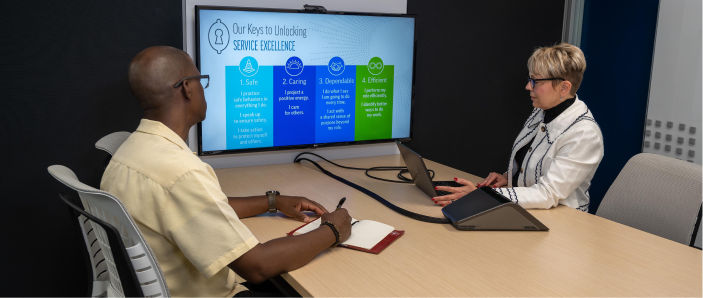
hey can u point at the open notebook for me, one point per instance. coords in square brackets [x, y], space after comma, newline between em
[366, 235]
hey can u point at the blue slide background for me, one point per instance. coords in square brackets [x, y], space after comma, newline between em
[293, 129]
[258, 134]
[345, 133]
[355, 39]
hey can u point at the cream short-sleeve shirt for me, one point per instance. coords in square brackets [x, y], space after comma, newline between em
[177, 202]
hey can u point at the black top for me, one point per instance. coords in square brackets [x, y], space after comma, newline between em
[552, 113]
[549, 115]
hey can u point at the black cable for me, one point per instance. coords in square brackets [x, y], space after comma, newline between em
[696, 227]
[367, 171]
[409, 180]
[417, 216]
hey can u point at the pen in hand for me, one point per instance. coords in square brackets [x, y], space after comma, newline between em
[341, 201]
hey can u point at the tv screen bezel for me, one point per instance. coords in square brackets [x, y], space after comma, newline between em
[302, 146]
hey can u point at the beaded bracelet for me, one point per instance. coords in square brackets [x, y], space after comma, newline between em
[334, 230]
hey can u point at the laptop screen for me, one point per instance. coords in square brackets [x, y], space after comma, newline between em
[418, 170]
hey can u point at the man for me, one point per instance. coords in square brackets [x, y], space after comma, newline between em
[192, 227]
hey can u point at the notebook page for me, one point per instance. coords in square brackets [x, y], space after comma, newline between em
[309, 227]
[312, 225]
[367, 233]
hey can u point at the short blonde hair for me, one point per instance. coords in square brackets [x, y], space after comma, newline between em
[564, 61]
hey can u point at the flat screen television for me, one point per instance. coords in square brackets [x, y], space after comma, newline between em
[282, 79]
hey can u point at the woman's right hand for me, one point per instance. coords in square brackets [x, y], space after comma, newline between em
[494, 180]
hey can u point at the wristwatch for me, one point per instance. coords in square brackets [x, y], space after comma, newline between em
[271, 195]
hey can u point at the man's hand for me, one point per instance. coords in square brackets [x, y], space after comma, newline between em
[341, 220]
[294, 206]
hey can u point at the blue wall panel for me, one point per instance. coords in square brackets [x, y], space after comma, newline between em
[618, 41]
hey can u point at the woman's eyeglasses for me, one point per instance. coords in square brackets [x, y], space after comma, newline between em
[534, 81]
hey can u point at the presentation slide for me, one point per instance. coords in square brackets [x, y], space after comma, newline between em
[283, 79]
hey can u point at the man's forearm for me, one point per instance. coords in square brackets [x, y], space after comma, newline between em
[282, 255]
[248, 206]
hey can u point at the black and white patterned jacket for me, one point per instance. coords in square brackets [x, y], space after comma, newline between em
[560, 164]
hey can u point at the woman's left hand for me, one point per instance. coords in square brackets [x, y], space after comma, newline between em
[455, 192]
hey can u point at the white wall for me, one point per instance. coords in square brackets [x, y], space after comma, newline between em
[674, 110]
[277, 157]
[675, 95]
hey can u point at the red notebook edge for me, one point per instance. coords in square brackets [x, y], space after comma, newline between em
[298, 228]
[380, 246]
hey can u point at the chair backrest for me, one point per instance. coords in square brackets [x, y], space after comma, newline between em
[111, 142]
[657, 194]
[98, 264]
[104, 207]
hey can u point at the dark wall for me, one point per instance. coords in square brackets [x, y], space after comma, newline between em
[63, 73]
[470, 98]
[618, 41]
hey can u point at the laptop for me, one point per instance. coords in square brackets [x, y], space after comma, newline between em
[420, 175]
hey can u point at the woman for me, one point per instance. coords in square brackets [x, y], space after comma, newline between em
[560, 146]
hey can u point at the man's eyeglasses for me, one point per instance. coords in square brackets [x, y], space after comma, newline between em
[204, 80]
[534, 81]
